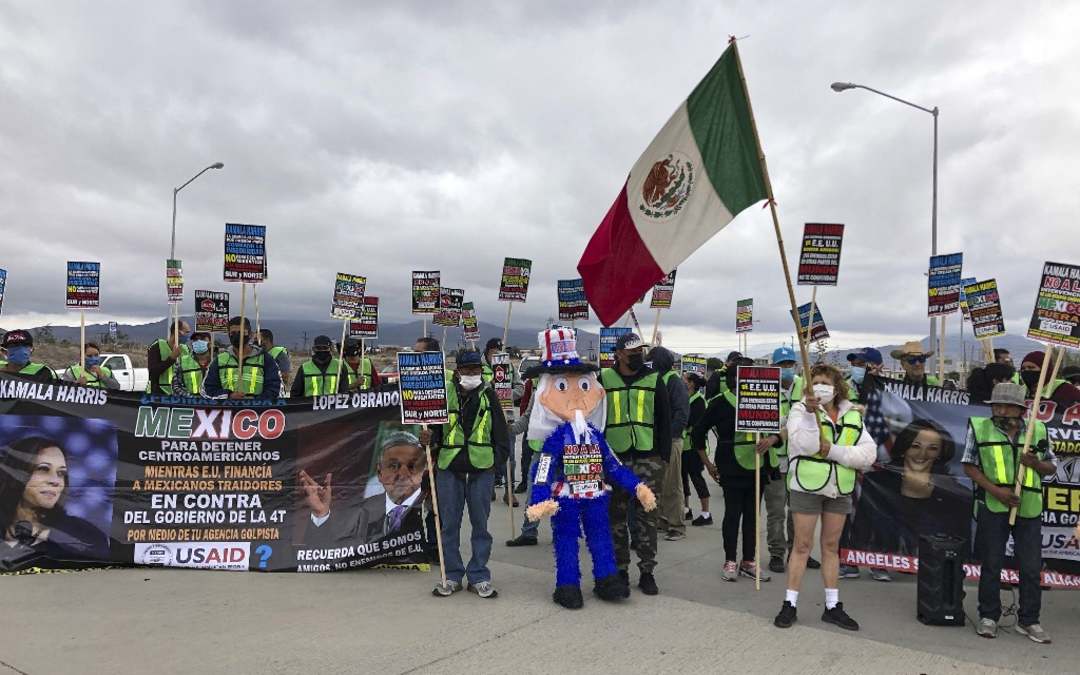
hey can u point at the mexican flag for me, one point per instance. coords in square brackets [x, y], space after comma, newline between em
[699, 172]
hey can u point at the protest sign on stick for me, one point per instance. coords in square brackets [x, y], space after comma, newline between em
[609, 335]
[1056, 318]
[573, 304]
[502, 379]
[513, 287]
[984, 308]
[819, 256]
[662, 293]
[694, 363]
[757, 411]
[815, 330]
[347, 304]
[245, 253]
[83, 292]
[943, 294]
[211, 312]
[469, 325]
[425, 294]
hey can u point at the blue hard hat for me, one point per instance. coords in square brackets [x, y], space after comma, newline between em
[781, 354]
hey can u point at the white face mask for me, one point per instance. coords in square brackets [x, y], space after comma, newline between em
[824, 393]
[470, 382]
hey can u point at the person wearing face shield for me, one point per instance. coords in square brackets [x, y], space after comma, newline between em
[638, 430]
[191, 370]
[1059, 391]
[18, 348]
[258, 376]
[828, 446]
[94, 374]
[318, 376]
[161, 358]
[992, 457]
[467, 448]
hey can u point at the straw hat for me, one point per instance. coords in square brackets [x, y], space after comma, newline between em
[912, 348]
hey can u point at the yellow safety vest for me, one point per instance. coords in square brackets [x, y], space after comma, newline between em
[999, 458]
[811, 473]
[631, 411]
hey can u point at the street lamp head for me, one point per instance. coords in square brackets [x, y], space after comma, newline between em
[217, 165]
[841, 86]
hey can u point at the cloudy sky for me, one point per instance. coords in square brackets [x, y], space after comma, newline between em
[377, 138]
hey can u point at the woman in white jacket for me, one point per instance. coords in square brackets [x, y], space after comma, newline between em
[826, 451]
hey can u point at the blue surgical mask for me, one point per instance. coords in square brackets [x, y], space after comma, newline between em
[92, 361]
[200, 346]
[857, 374]
[184, 339]
[787, 375]
[20, 356]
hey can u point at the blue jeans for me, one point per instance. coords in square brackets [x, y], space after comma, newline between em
[455, 491]
[530, 528]
[991, 535]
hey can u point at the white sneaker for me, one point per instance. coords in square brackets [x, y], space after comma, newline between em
[451, 587]
[880, 574]
[747, 570]
[731, 571]
[987, 628]
[484, 589]
[1034, 632]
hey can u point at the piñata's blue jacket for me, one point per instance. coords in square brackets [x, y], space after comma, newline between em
[588, 512]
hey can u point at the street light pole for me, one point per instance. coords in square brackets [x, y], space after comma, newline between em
[844, 86]
[176, 190]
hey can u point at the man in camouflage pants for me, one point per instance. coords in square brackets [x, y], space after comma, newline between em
[639, 432]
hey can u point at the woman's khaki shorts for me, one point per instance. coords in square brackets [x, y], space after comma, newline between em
[805, 502]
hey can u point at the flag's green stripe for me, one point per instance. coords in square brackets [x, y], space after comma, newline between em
[720, 120]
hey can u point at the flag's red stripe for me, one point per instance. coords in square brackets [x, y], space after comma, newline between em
[616, 267]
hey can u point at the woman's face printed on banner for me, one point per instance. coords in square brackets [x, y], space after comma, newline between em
[48, 479]
[569, 392]
[924, 451]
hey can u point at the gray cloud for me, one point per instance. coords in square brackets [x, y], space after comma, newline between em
[377, 139]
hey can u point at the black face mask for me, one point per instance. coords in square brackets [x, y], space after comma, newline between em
[234, 338]
[1030, 378]
[635, 361]
[320, 358]
[1006, 423]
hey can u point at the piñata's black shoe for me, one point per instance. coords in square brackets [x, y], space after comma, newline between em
[568, 596]
[610, 588]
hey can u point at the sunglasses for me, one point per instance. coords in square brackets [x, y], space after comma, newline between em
[914, 360]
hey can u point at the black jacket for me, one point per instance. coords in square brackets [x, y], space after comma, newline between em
[719, 415]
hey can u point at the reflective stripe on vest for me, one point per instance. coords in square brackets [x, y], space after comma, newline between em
[811, 473]
[998, 457]
[785, 408]
[318, 382]
[365, 368]
[743, 443]
[251, 377]
[481, 451]
[631, 411]
[91, 379]
[192, 374]
[165, 379]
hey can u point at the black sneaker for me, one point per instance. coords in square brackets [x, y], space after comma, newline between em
[521, 540]
[838, 617]
[786, 617]
[812, 564]
[776, 564]
[520, 488]
[624, 576]
[689, 515]
[701, 520]
[647, 584]
[568, 596]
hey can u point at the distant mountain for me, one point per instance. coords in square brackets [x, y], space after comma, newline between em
[295, 334]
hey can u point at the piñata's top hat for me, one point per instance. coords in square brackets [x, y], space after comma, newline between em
[558, 354]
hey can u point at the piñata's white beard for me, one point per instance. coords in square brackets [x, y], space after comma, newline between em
[581, 427]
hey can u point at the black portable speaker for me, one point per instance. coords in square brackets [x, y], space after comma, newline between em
[940, 600]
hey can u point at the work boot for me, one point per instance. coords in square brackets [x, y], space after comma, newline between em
[568, 596]
[647, 584]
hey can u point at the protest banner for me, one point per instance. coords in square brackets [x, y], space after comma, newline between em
[757, 410]
[819, 257]
[211, 312]
[1056, 318]
[572, 302]
[814, 331]
[3, 285]
[514, 285]
[425, 294]
[367, 327]
[609, 335]
[207, 484]
[694, 363]
[943, 286]
[964, 307]
[470, 326]
[502, 379]
[889, 518]
[984, 308]
[245, 253]
[174, 281]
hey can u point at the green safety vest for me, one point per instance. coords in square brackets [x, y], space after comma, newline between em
[192, 374]
[812, 473]
[251, 377]
[999, 458]
[91, 379]
[853, 391]
[535, 446]
[317, 382]
[277, 351]
[364, 373]
[631, 410]
[166, 378]
[933, 380]
[785, 407]
[1050, 388]
[30, 369]
[481, 451]
[744, 442]
[696, 396]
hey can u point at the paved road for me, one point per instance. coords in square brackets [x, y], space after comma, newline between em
[171, 621]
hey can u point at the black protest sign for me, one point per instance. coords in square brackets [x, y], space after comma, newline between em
[984, 308]
[502, 379]
[348, 302]
[514, 284]
[469, 325]
[662, 292]
[757, 392]
[1056, 319]
[572, 302]
[367, 327]
[819, 259]
[450, 302]
[425, 292]
[211, 312]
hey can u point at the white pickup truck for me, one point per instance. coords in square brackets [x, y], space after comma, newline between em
[129, 377]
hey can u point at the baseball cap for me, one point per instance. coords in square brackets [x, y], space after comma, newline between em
[868, 354]
[629, 341]
[352, 347]
[781, 354]
[322, 342]
[18, 338]
[732, 356]
[493, 343]
[468, 357]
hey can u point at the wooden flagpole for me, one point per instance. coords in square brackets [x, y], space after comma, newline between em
[1033, 416]
[82, 340]
[810, 320]
[509, 479]
[776, 227]
[240, 351]
[506, 324]
[341, 355]
[258, 323]
[757, 514]
[435, 509]
[363, 355]
[656, 327]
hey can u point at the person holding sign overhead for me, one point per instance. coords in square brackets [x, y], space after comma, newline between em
[18, 348]
[258, 378]
[318, 376]
[990, 459]
[828, 446]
